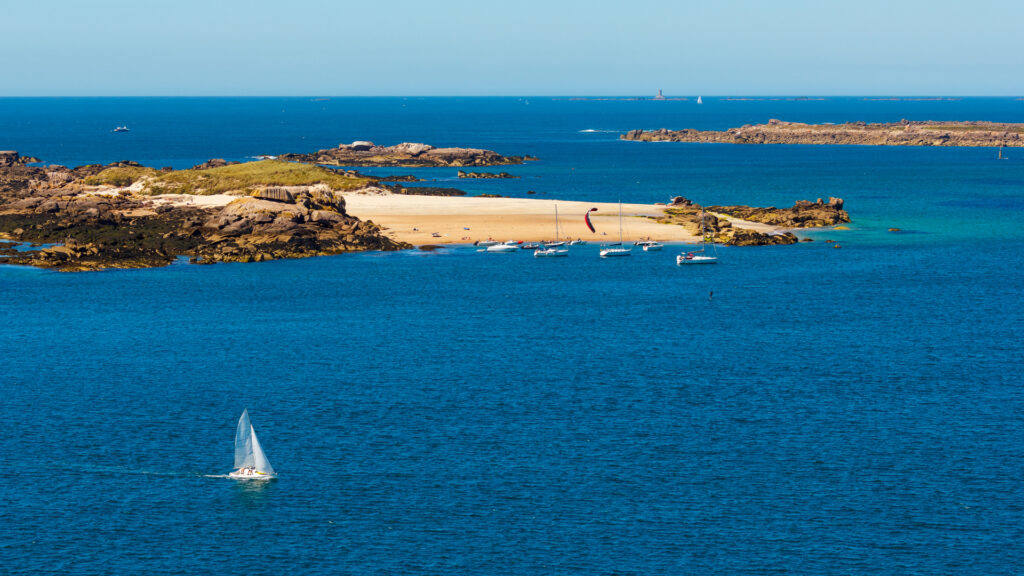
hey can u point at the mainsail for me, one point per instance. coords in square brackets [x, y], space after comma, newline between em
[243, 442]
[248, 452]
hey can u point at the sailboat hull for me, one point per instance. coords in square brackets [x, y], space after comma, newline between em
[684, 261]
[615, 252]
[251, 475]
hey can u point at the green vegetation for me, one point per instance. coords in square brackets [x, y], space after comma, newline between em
[123, 176]
[977, 128]
[236, 177]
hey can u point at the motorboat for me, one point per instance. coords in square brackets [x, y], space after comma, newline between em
[503, 248]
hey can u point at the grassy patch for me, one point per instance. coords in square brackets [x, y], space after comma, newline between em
[978, 128]
[123, 176]
[236, 177]
[251, 175]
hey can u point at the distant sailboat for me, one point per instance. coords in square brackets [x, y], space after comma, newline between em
[699, 101]
[250, 461]
[1001, 154]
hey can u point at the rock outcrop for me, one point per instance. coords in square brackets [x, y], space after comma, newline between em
[903, 133]
[93, 231]
[803, 214]
[408, 154]
[464, 174]
[214, 163]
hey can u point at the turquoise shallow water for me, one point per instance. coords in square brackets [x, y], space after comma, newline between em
[826, 412]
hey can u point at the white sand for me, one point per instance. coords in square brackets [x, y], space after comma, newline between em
[415, 219]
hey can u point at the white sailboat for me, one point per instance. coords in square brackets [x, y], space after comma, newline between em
[699, 101]
[652, 246]
[699, 256]
[552, 249]
[610, 251]
[1001, 157]
[250, 461]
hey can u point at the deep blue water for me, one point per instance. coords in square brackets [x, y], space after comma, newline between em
[852, 411]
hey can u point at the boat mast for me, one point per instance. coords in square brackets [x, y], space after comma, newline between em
[620, 221]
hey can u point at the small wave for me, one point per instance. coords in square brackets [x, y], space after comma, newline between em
[593, 130]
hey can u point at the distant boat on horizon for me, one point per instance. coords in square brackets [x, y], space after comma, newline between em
[699, 101]
[1000, 157]
[120, 129]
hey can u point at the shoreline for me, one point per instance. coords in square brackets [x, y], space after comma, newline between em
[415, 219]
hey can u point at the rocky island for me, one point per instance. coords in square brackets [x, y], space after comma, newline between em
[406, 154]
[464, 174]
[903, 133]
[124, 215]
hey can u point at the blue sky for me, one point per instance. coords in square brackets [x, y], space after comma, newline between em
[526, 47]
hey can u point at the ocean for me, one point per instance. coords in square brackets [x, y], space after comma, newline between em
[793, 409]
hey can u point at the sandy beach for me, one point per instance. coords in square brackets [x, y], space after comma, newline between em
[415, 219]
[466, 219]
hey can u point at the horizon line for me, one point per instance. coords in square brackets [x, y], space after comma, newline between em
[642, 96]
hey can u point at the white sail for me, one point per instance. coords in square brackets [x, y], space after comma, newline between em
[259, 458]
[243, 442]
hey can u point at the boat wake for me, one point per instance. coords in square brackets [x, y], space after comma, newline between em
[593, 130]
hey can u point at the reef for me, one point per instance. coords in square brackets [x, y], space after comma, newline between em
[902, 133]
[463, 174]
[715, 224]
[406, 154]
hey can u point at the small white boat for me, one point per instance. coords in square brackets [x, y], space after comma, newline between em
[550, 252]
[552, 244]
[614, 252]
[652, 246]
[617, 249]
[699, 101]
[250, 461]
[487, 243]
[503, 248]
[695, 258]
[578, 242]
[120, 129]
